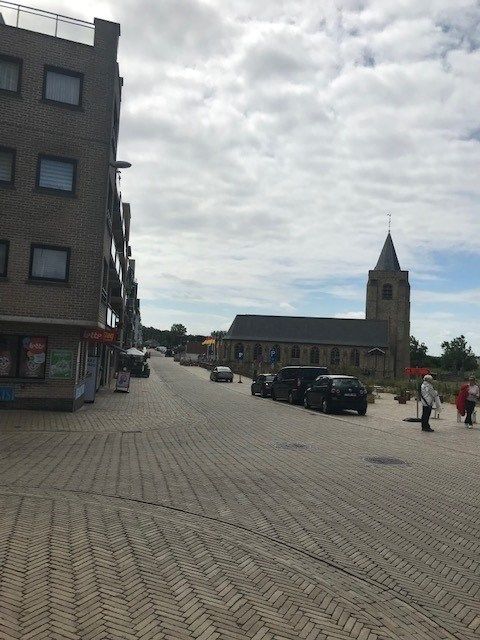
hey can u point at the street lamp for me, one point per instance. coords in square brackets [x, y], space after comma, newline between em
[121, 164]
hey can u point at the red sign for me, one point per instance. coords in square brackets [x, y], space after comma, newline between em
[101, 335]
[416, 372]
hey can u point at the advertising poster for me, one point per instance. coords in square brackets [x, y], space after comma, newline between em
[33, 355]
[61, 364]
[123, 381]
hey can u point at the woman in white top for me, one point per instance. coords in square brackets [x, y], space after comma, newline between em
[473, 394]
[430, 399]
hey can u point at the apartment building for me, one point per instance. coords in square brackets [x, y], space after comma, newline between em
[64, 230]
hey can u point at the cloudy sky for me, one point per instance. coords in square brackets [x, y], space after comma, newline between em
[269, 140]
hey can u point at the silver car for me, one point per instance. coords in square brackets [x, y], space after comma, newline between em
[221, 373]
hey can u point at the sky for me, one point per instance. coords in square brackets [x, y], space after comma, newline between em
[269, 140]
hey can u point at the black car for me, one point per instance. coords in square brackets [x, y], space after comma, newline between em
[263, 384]
[221, 373]
[168, 353]
[290, 382]
[334, 393]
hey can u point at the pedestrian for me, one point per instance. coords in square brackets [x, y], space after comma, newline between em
[460, 401]
[473, 394]
[430, 399]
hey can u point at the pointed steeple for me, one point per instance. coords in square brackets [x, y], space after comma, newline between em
[388, 260]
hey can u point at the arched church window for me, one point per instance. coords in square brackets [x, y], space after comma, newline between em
[387, 292]
[239, 350]
[257, 352]
[355, 358]
[314, 355]
[335, 356]
[295, 351]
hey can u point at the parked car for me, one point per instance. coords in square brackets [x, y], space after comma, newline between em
[221, 373]
[263, 384]
[168, 353]
[334, 393]
[290, 382]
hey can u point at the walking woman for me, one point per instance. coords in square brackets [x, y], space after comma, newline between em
[473, 394]
[430, 399]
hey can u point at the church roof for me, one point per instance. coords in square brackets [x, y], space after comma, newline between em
[331, 331]
[388, 260]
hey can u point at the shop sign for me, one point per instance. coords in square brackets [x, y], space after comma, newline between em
[107, 336]
[61, 364]
[7, 394]
[123, 381]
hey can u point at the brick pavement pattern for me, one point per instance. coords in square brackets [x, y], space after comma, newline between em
[188, 510]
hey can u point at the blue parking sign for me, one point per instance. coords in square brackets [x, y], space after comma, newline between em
[7, 394]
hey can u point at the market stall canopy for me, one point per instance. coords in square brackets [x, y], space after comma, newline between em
[134, 352]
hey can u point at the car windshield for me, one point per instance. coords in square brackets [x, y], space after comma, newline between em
[346, 383]
[223, 369]
[309, 374]
[269, 378]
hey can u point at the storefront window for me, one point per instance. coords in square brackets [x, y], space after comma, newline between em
[22, 356]
[8, 356]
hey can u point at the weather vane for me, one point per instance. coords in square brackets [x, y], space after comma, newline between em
[389, 216]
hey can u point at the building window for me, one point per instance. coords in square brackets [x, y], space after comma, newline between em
[355, 358]
[10, 73]
[7, 166]
[335, 356]
[56, 174]
[387, 292]
[49, 263]
[238, 350]
[314, 355]
[3, 257]
[295, 352]
[257, 352]
[60, 85]
[22, 356]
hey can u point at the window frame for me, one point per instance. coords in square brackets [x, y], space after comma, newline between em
[13, 151]
[36, 245]
[4, 273]
[65, 72]
[52, 190]
[19, 61]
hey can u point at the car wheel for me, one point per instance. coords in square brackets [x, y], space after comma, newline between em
[253, 392]
[274, 397]
[326, 406]
[291, 399]
[362, 411]
[306, 403]
[263, 393]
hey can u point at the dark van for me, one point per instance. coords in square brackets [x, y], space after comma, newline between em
[290, 383]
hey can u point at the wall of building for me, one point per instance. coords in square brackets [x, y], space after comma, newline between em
[347, 356]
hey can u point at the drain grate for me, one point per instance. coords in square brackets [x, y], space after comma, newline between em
[385, 460]
[293, 446]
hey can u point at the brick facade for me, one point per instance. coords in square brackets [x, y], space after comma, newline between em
[84, 222]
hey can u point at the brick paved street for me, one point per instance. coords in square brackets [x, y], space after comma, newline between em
[189, 509]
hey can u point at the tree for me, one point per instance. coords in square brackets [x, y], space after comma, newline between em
[418, 352]
[218, 334]
[458, 355]
[178, 330]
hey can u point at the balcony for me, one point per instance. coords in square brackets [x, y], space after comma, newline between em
[51, 24]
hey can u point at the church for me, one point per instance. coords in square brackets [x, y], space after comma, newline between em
[377, 346]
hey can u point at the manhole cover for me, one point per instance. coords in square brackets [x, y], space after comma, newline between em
[384, 460]
[293, 446]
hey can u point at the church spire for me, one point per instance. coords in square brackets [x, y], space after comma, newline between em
[388, 260]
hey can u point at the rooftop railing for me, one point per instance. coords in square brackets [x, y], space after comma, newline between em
[52, 24]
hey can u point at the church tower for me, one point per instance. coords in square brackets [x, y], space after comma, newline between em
[388, 298]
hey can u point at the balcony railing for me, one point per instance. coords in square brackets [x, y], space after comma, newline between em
[52, 24]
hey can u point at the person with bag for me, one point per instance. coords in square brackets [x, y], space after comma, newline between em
[429, 397]
[473, 394]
